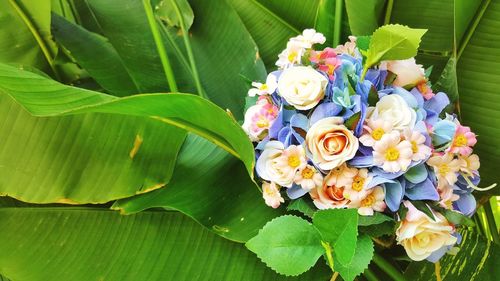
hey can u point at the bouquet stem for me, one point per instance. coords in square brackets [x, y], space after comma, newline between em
[388, 268]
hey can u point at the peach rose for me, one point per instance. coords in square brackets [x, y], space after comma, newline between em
[408, 72]
[331, 143]
[421, 236]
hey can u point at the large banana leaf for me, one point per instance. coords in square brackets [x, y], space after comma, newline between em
[97, 244]
[224, 54]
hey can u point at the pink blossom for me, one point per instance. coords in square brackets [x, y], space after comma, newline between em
[326, 61]
[463, 141]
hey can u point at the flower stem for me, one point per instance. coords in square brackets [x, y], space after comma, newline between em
[388, 11]
[334, 276]
[189, 50]
[437, 271]
[328, 251]
[167, 68]
[388, 268]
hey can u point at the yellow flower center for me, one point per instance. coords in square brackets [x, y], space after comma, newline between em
[293, 161]
[358, 183]
[460, 140]
[377, 133]
[263, 87]
[307, 173]
[392, 154]
[368, 201]
[292, 56]
[444, 169]
[263, 122]
[414, 147]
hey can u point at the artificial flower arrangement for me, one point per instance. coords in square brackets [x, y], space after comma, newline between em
[357, 131]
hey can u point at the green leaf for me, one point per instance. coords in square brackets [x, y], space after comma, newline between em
[213, 188]
[287, 244]
[218, 71]
[447, 82]
[377, 218]
[353, 121]
[69, 159]
[96, 55]
[362, 258]
[302, 205]
[339, 227]
[363, 42]
[364, 16]
[477, 260]
[272, 23]
[477, 72]
[455, 217]
[393, 42]
[165, 10]
[325, 20]
[424, 208]
[377, 230]
[44, 97]
[82, 244]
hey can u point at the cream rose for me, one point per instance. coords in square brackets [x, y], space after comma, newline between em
[302, 86]
[331, 143]
[408, 72]
[280, 165]
[421, 236]
[395, 110]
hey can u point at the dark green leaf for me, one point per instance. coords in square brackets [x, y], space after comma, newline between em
[302, 205]
[364, 16]
[377, 218]
[165, 10]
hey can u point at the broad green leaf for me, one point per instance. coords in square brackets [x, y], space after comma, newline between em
[303, 206]
[212, 187]
[222, 50]
[17, 44]
[86, 244]
[288, 244]
[95, 54]
[165, 10]
[457, 218]
[362, 258]
[45, 97]
[325, 20]
[365, 16]
[70, 159]
[393, 42]
[272, 23]
[477, 73]
[377, 218]
[3, 278]
[477, 260]
[339, 227]
[380, 229]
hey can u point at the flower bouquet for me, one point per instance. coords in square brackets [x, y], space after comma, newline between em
[356, 141]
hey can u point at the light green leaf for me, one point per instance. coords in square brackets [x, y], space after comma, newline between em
[165, 10]
[325, 20]
[339, 227]
[70, 159]
[96, 55]
[393, 42]
[288, 244]
[362, 258]
[90, 244]
[477, 260]
[45, 97]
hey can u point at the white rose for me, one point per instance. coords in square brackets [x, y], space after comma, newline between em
[280, 165]
[421, 236]
[302, 86]
[331, 143]
[408, 72]
[395, 110]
